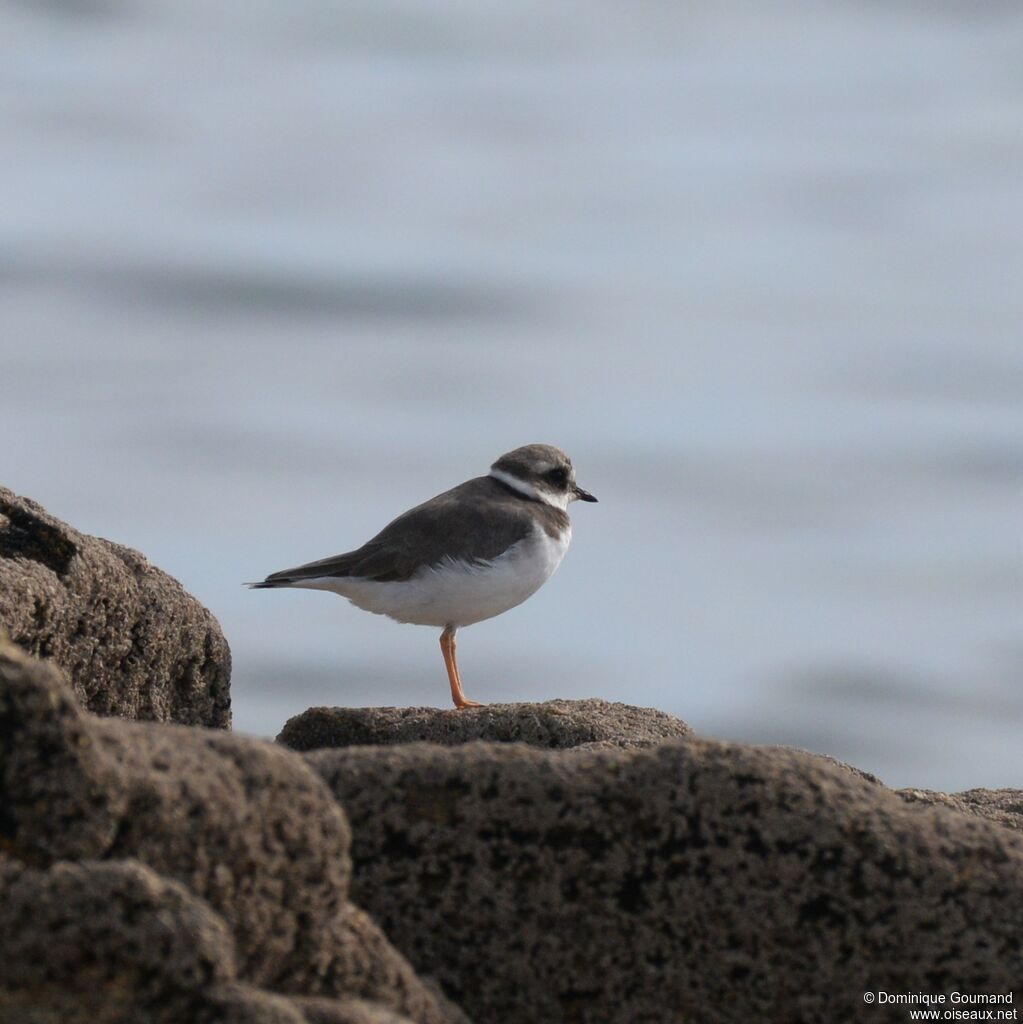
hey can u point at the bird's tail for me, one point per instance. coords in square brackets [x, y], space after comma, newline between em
[270, 583]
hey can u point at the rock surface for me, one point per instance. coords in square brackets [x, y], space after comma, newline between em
[696, 880]
[132, 641]
[109, 942]
[243, 825]
[111, 936]
[1002, 805]
[556, 724]
[346, 1011]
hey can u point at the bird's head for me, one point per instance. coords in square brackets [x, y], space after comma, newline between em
[541, 472]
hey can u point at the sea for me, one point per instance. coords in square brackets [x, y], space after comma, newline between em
[272, 273]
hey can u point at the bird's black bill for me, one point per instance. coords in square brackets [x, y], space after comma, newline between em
[584, 495]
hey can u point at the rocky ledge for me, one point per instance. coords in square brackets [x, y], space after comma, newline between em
[690, 880]
[162, 873]
[556, 724]
[572, 862]
[132, 641]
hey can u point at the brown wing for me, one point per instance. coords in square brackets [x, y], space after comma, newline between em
[474, 522]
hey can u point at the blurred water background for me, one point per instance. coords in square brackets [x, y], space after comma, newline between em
[272, 273]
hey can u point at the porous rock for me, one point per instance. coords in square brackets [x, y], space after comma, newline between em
[108, 942]
[695, 880]
[242, 824]
[132, 641]
[98, 938]
[1004, 806]
[555, 724]
[346, 1011]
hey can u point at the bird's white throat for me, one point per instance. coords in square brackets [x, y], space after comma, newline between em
[528, 490]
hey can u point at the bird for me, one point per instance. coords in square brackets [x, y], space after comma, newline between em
[466, 555]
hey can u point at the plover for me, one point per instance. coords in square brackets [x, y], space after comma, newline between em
[464, 556]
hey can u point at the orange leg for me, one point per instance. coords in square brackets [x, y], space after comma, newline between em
[447, 646]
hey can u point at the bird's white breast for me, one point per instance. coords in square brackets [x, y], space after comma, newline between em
[458, 593]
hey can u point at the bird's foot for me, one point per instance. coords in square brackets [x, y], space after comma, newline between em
[466, 703]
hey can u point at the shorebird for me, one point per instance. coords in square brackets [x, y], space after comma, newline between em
[464, 556]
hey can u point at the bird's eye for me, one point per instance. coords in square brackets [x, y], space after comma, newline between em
[558, 477]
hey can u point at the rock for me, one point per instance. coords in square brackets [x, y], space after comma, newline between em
[1002, 805]
[356, 959]
[242, 824]
[695, 880]
[52, 768]
[130, 638]
[828, 759]
[242, 1004]
[90, 941]
[346, 1011]
[556, 724]
[108, 942]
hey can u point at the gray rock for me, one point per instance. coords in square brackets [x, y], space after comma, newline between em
[346, 1011]
[828, 759]
[98, 939]
[108, 942]
[242, 824]
[1002, 805]
[132, 641]
[53, 768]
[241, 1004]
[556, 724]
[695, 880]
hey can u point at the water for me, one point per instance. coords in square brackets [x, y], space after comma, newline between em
[271, 274]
